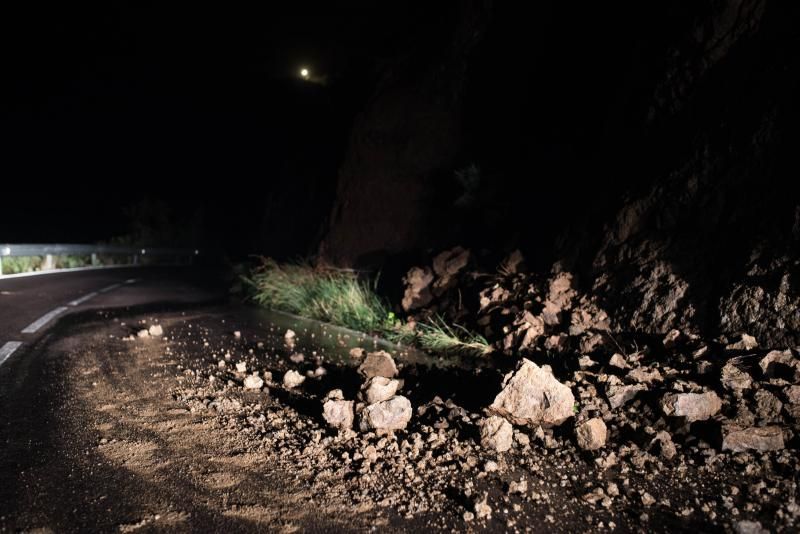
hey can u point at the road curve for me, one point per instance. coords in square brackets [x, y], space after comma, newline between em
[29, 306]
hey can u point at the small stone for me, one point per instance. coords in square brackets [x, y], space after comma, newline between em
[357, 353]
[336, 411]
[378, 364]
[379, 388]
[370, 453]
[237, 334]
[585, 362]
[290, 338]
[745, 343]
[292, 379]
[619, 394]
[643, 375]
[496, 433]
[618, 361]
[253, 382]
[749, 527]
[692, 406]
[766, 438]
[647, 499]
[482, 508]
[143, 334]
[777, 364]
[490, 466]
[241, 367]
[520, 487]
[468, 516]
[392, 414]
[672, 338]
[297, 357]
[666, 448]
[768, 406]
[735, 379]
[155, 330]
[592, 434]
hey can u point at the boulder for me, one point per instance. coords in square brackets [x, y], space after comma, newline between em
[392, 414]
[417, 288]
[447, 265]
[619, 394]
[496, 433]
[735, 379]
[765, 438]
[336, 411]
[780, 364]
[378, 364]
[379, 388]
[692, 406]
[591, 435]
[532, 396]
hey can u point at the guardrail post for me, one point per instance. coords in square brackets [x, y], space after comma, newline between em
[1, 265]
[94, 259]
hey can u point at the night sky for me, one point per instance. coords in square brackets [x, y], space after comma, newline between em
[195, 107]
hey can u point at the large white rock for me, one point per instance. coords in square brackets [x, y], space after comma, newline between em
[692, 406]
[532, 396]
[496, 433]
[379, 388]
[392, 414]
[336, 411]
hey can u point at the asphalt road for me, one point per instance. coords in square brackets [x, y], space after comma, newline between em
[31, 305]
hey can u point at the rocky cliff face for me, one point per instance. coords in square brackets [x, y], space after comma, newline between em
[656, 141]
[408, 135]
[713, 243]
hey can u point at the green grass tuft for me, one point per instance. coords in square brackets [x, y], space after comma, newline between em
[345, 299]
[437, 336]
[330, 295]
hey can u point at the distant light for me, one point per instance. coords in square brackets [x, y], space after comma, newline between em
[304, 73]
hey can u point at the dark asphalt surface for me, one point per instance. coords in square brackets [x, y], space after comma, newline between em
[31, 305]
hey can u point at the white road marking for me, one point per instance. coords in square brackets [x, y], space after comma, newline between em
[8, 349]
[112, 287]
[43, 320]
[131, 280]
[78, 302]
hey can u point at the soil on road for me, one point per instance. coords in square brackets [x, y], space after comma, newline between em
[93, 441]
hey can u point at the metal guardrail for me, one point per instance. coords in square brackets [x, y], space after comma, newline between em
[132, 256]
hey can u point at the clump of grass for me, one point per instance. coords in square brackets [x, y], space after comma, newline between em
[330, 295]
[435, 335]
[343, 298]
